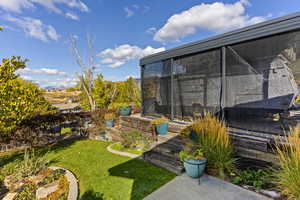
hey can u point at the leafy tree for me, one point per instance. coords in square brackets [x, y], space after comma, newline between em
[1, 28]
[129, 92]
[112, 94]
[19, 99]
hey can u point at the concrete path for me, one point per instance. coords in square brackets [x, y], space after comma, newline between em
[210, 188]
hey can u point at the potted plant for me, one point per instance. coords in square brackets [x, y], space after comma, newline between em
[193, 160]
[161, 125]
[109, 119]
[125, 109]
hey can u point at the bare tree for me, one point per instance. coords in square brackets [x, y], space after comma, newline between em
[86, 77]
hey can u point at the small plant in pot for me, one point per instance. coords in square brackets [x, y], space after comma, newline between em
[161, 125]
[193, 160]
[125, 109]
[109, 119]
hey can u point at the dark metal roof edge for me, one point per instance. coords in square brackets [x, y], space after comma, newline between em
[267, 28]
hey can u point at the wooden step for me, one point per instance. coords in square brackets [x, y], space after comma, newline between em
[165, 162]
[255, 154]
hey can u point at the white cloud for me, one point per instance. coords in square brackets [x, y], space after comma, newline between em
[51, 32]
[121, 54]
[18, 5]
[215, 17]
[72, 16]
[34, 28]
[129, 12]
[151, 30]
[42, 71]
[15, 5]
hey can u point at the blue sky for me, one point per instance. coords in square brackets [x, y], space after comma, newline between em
[123, 31]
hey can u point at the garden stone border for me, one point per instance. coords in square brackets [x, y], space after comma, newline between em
[121, 153]
[73, 183]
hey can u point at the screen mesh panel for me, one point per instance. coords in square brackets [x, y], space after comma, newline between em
[197, 84]
[157, 88]
[261, 82]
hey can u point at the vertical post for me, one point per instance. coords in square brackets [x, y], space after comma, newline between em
[172, 89]
[223, 89]
[142, 89]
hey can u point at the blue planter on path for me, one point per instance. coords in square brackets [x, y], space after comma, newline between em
[109, 123]
[162, 129]
[194, 168]
[125, 111]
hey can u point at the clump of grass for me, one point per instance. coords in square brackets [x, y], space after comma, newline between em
[213, 139]
[65, 131]
[159, 121]
[109, 116]
[287, 176]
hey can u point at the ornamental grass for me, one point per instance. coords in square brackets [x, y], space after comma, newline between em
[287, 176]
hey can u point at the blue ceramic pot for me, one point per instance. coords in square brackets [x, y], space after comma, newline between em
[125, 111]
[194, 168]
[194, 136]
[162, 129]
[109, 123]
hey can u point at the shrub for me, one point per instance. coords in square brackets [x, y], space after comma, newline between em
[27, 192]
[135, 140]
[119, 105]
[159, 121]
[62, 192]
[20, 99]
[53, 176]
[65, 131]
[185, 133]
[287, 176]
[191, 151]
[214, 141]
[256, 178]
[29, 166]
[109, 116]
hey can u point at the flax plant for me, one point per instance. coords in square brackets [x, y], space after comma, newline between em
[287, 176]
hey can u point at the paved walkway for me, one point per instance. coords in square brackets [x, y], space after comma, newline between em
[210, 188]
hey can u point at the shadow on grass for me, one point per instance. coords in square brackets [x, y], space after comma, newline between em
[91, 195]
[146, 178]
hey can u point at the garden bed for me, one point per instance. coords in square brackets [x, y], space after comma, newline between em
[48, 184]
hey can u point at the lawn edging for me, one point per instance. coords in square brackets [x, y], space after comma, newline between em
[73, 183]
[121, 153]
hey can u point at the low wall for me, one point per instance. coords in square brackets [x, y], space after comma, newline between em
[252, 145]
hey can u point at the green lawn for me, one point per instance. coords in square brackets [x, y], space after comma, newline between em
[101, 174]
[118, 147]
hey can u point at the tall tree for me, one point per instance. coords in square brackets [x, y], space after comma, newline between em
[1, 28]
[86, 77]
[19, 99]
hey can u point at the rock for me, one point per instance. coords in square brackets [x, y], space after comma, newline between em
[43, 192]
[36, 179]
[12, 186]
[272, 194]
[10, 196]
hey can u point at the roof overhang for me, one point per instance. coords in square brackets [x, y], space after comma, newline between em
[264, 29]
